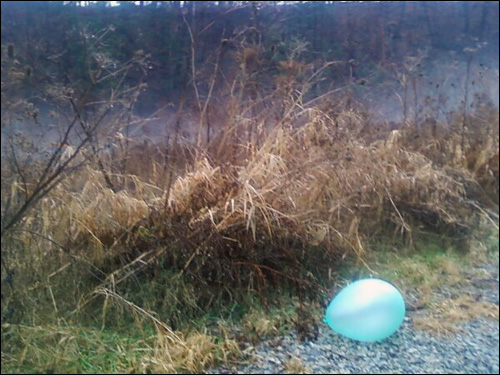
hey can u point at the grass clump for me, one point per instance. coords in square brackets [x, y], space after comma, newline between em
[57, 348]
[446, 316]
[295, 366]
[77, 349]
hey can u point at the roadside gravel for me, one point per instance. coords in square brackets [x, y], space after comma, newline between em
[473, 349]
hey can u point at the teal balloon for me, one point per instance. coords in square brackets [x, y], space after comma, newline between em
[366, 310]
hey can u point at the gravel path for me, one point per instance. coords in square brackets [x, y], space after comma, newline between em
[474, 349]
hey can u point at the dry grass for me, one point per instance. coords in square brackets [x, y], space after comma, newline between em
[436, 325]
[473, 149]
[74, 349]
[260, 323]
[272, 214]
[295, 366]
[192, 354]
[256, 211]
[446, 316]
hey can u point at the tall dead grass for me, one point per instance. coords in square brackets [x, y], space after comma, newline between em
[242, 217]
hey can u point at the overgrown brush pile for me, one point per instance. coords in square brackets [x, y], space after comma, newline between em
[279, 215]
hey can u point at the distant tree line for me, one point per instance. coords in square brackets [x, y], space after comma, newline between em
[61, 41]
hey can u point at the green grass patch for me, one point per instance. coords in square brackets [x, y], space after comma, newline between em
[69, 348]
